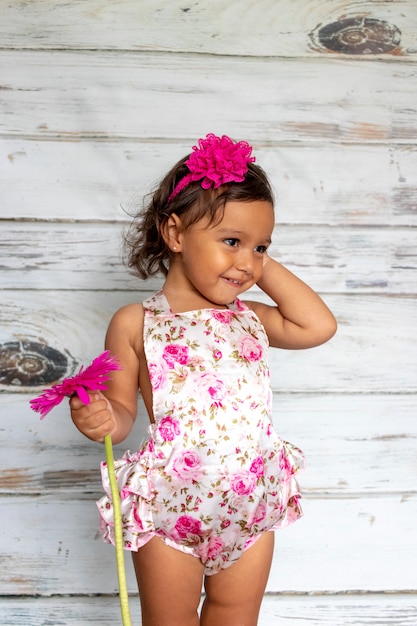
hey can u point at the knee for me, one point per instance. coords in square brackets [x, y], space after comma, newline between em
[220, 612]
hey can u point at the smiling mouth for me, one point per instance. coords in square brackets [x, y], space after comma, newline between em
[237, 283]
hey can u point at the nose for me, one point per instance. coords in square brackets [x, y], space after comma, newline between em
[245, 261]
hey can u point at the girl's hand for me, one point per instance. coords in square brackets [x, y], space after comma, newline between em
[300, 318]
[94, 420]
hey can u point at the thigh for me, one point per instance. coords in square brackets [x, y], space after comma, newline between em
[169, 583]
[234, 595]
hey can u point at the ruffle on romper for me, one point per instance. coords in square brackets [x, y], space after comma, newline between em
[136, 497]
[143, 516]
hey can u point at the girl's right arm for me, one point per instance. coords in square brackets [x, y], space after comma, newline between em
[300, 318]
[114, 411]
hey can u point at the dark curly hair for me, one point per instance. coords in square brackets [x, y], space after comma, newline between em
[145, 250]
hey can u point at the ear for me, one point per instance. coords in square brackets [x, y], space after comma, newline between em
[171, 231]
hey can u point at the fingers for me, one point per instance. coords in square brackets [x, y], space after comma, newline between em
[76, 403]
[94, 420]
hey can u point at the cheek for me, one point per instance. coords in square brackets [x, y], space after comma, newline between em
[195, 260]
[259, 266]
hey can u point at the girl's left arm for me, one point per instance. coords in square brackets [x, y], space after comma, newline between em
[300, 318]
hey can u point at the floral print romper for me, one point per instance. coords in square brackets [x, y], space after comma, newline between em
[213, 474]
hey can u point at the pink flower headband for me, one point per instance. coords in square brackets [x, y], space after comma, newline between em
[216, 160]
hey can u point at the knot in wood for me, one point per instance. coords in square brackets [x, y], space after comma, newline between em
[359, 35]
[30, 364]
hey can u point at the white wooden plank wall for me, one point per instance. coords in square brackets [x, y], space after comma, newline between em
[97, 100]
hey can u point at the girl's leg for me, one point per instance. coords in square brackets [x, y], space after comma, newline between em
[169, 583]
[234, 595]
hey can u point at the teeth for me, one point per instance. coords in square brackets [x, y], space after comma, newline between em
[235, 282]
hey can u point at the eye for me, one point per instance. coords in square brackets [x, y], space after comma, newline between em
[261, 249]
[231, 242]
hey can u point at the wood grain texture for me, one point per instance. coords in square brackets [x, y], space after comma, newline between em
[88, 256]
[262, 28]
[315, 610]
[361, 185]
[354, 444]
[368, 349]
[68, 95]
[97, 100]
[55, 547]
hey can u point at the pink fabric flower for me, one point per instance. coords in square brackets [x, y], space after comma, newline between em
[175, 353]
[241, 306]
[169, 428]
[211, 549]
[212, 385]
[243, 483]
[223, 315]
[187, 525]
[136, 517]
[257, 467]
[216, 161]
[293, 510]
[157, 375]
[250, 349]
[285, 464]
[188, 465]
[259, 514]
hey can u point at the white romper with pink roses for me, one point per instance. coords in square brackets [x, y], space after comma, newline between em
[213, 474]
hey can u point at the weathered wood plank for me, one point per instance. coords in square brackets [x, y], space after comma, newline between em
[53, 95]
[373, 351]
[97, 123]
[86, 256]
[353, 444]
[321, 183]
[282, 610]
[344, 610]
[260, 29]
[55, 548]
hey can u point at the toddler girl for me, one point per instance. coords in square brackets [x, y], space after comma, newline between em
[213, 478]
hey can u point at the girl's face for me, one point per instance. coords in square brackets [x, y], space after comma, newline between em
[222, 261]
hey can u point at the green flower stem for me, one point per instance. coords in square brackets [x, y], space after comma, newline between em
[118, 534]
